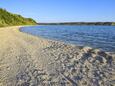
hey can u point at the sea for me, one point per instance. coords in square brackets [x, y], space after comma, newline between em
[101, 37]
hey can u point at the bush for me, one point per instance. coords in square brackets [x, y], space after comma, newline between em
[9, 19]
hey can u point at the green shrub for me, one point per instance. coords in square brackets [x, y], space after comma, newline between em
[9, 19]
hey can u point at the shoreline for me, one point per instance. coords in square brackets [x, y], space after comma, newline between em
[30, 60]
[65, 42]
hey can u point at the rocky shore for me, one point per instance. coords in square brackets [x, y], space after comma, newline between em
[26, 60]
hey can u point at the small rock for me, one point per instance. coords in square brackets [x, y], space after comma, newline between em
[86, 49]
[102, 53]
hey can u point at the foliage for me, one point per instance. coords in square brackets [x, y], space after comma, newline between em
[113, 23]
[78, 23]
[9, 19]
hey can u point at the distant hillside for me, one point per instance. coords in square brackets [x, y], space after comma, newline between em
[9, 19]
[113, 23]
[80, 23]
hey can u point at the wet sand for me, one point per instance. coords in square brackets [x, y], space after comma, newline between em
[26, 60]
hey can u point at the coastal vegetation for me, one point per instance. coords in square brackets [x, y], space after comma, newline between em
[80, 23]
[113, 23]
[10, 19]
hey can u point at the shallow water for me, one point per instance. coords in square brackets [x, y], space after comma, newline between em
[102, 37]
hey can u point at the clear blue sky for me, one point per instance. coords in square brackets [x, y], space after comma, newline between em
[62, 10]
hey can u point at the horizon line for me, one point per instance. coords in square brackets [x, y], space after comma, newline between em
[79, 22]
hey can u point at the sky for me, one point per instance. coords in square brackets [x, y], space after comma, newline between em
[63, 10]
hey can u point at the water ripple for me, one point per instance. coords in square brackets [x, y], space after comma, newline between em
[102, 37]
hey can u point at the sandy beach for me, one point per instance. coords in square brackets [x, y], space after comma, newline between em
[26, 60]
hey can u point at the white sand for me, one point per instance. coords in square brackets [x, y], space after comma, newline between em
[26, 60]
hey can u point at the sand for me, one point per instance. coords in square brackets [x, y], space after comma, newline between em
[26, 60]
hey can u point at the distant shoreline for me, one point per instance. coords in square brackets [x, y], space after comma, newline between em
[79, 23]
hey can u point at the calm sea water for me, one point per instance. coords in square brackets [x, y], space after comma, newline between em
[102, 37]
